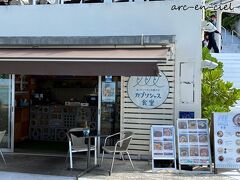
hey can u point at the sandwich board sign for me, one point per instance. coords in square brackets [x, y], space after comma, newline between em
[193, 142]
[227, 140]
[163, 146]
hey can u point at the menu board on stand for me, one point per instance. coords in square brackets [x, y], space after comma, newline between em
[193, 143]
[227, 140]
[163, 147]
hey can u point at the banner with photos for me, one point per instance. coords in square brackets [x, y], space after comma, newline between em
[163, 142]
[193, 142]
[227, 140]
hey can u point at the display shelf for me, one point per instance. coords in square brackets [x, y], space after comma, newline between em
[59, 117]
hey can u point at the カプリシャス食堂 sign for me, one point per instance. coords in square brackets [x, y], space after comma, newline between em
[148, 91]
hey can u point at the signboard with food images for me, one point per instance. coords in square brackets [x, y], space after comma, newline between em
[163, 145]
[193, 142]
[227, 140]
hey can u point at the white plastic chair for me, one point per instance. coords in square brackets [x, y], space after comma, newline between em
[120, 147]
[2, 133]
[77, 144]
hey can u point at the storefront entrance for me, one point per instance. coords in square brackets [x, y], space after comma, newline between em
[46, 107]
[7, 110]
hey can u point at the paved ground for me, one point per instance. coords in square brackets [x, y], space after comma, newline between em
[25, 167]
[26, 176]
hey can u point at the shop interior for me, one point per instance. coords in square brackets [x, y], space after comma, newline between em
[46, 107]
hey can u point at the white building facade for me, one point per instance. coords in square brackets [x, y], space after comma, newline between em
[141, 25]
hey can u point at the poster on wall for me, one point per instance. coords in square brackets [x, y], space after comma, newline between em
[108, 92]
[227, 140]
[193, 142]
[163, 143]
[148, 92]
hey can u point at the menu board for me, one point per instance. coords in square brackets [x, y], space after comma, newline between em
[163, 143]
[227, 140]
[193, 142]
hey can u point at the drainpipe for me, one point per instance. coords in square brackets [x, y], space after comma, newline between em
[219, 28]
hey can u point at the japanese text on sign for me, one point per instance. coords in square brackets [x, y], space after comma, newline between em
[147, 91]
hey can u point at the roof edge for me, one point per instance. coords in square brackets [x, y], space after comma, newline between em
[139, 40]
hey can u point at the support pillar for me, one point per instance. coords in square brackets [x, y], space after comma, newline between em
[219, 28]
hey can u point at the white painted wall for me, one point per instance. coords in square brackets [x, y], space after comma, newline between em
[110, 19]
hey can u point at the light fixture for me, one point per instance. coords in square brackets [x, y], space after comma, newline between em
[209, 64]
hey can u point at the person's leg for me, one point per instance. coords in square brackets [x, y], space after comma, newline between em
[215, 47]
[210, 45]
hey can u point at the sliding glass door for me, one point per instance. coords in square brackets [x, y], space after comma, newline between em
[7, 110]
[109, 108]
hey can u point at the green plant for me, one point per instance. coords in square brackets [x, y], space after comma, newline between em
[217, 95]
[229, 20]
[208, 14]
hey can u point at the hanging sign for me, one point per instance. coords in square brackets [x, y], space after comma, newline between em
[148, 91]
[163, 145]
[227, 140]
[108, 92]
[193, 142]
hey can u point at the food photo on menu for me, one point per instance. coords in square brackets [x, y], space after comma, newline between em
[238, 151]
[220, 150]
[220, 134]
[168, 146]
[167, 132]
[238, 142]
[220, 141]
[158, 146]
[157, 133]
[203, 137]
[237, 133]
[182, 125]
[192, 124]
[193, 137]
[204, 151]
[194, 151]
[183, 138]
[221, 158]
[236, 120]
[184, 151]
[202, 124]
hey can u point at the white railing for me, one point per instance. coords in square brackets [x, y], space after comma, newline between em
[233, 33]
[225, 31]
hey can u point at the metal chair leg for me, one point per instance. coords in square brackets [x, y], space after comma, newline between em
[3, 157]
[71, 159]
[67, 156]
[102, 158]
[110, 172]
[95, 151]
[121, 156]
[130, 160]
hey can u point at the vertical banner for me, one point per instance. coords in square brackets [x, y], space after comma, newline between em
[163, 144]
[193, 142]
[227, 140]
[108, 92]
